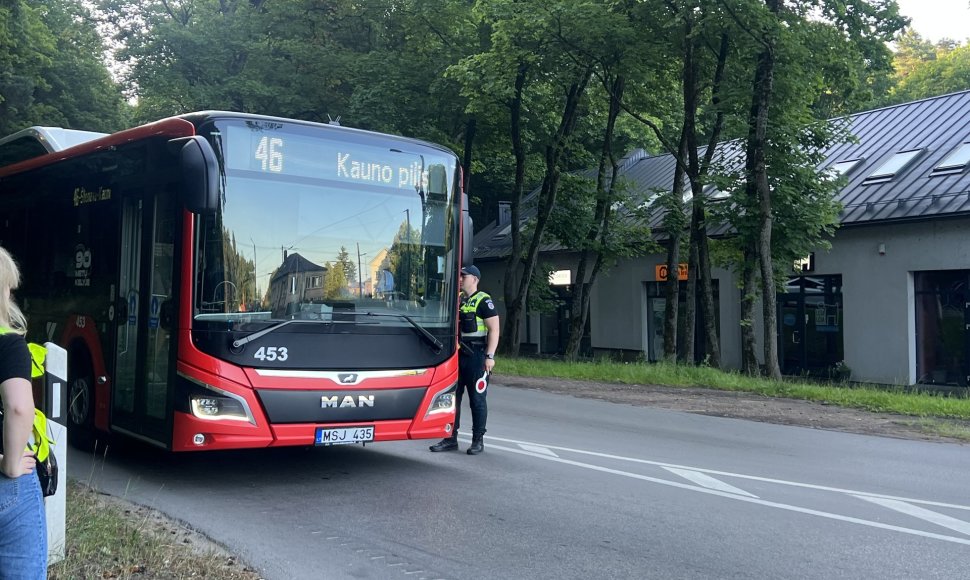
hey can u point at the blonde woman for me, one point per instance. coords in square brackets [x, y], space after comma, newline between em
[23, 526]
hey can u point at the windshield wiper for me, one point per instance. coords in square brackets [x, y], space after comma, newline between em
[261, 333]
[432, 339]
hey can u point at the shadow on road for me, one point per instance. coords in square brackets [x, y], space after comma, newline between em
[345, 465]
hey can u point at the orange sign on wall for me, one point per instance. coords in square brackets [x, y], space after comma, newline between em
[661, 272]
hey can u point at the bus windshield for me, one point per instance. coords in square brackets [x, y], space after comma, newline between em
[322, 223]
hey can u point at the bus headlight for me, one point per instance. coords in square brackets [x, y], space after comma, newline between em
[209, 407]
[204, 401]
[443, 401]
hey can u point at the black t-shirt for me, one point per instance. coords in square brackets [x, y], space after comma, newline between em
[14, 357]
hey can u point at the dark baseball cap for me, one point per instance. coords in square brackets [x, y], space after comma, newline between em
[472, 271]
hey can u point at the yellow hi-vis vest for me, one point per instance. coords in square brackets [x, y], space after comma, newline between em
[41, 444]
[471, 307]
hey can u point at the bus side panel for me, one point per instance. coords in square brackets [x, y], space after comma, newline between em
[84, 329]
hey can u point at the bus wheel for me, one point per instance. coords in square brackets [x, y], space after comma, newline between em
[80, 413]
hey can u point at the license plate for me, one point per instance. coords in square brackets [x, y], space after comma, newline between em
[345, 435]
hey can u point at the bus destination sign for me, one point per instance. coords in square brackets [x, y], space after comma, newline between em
[297, 154]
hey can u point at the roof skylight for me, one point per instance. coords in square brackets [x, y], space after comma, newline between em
[845, 167]
[956, 160]
[894, 165]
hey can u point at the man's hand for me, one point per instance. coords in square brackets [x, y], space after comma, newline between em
[489, 364]
[13, 468]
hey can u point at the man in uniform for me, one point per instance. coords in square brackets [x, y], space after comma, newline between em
[479, 324]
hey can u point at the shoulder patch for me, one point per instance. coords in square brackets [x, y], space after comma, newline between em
[489, 304]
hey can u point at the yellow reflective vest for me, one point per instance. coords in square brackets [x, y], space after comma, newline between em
[41, 444]
[470, 306]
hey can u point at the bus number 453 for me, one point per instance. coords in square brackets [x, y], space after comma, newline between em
[271, 353]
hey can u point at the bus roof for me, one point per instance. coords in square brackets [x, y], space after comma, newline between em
[37, 141]
[200, 117]
[41, 146]
[53, 138]
[74, 144]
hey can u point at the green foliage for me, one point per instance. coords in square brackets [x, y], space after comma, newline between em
[335, 282]
[405, 262]
[817, 71]
[572, 220]
[949, 72]
[51, 69]
[348, 265]
[110, 538]
[428, 68]
[542, 298]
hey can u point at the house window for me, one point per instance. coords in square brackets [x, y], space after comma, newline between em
[292, 284]
[941, 329]
[894, 165]
[811, 325]
[955, 161]
[560, 278]
[656, 309]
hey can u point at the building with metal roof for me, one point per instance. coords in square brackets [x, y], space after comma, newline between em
[890, 299]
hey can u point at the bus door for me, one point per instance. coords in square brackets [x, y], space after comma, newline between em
[142, 402]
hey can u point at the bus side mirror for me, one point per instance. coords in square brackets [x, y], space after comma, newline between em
[467, 231]
[200, 174]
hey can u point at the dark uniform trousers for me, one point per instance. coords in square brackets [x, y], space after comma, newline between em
[473, 378]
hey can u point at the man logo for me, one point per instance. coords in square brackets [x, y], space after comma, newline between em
[346, 401]
[347, 378]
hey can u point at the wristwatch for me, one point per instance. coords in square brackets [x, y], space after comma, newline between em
[490, 356]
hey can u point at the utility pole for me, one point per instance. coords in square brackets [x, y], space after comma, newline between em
[360, 275]
[407, 264]
[255, 277]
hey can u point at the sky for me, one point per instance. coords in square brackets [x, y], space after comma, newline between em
[936, 19]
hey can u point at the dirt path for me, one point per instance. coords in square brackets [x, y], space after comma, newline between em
[753, 407]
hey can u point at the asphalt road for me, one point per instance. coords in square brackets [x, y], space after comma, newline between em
[574, 488]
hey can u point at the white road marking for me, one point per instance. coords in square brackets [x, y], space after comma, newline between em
[707, 481]
[736, 497]
[538, 449]
[735, 475]
[921, 513]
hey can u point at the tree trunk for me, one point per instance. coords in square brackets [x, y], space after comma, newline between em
[759, 186]
[712, 344]
[711, 338]
[690, 304]
[466, 161]
[547, 202]
[513, 308]
[700, 270]
[605, 183]
[749, 293]
[673, 223]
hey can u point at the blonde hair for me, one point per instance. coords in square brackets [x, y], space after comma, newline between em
[10, 315]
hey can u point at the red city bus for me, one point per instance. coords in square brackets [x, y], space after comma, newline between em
[225, 280]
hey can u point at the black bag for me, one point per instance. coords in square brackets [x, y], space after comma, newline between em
[47, 473]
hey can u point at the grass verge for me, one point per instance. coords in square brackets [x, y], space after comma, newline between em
[882, 399]
[107, 538]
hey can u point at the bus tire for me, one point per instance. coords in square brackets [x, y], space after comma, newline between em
[80, 411]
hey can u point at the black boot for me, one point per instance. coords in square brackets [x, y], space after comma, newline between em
[446, 444]
[477, 445]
